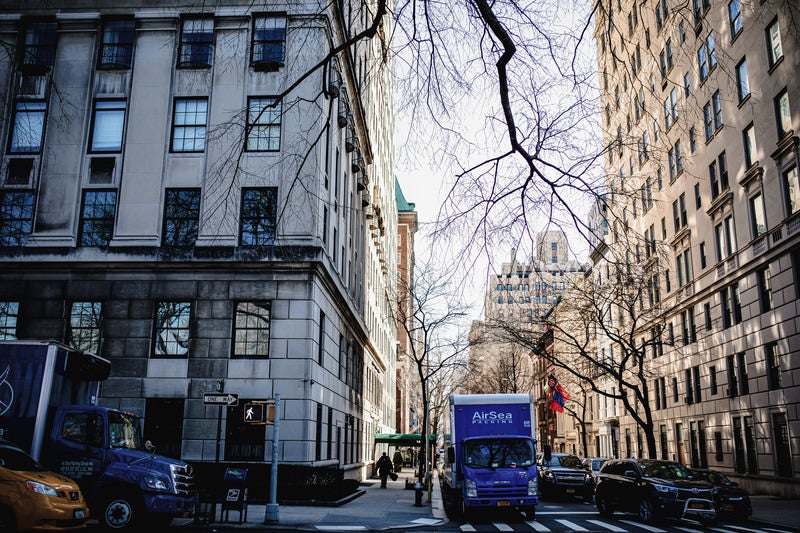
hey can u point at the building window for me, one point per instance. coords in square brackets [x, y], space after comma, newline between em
[703, 258]
[85, 326]
[39, 48]
[707, 315]
[181, 217]
[97, 217]
[708, 121]
[692, 140]
[9, 315]
[173, 320]
[27, 130]
[749, 141]
[697, 438]
[321, 340]
[735, 16]
[744, 445]
[758, 224]
[783, 448]
[263, 125]
[783, 116]
[258, 216]
[716, 103]
[683, 264]
[718, 175]
[731, 305]
[712, 379]
[116, 50]
[774, 48]
[773, 361]
[765, 289]
[706, 57]
[197, 42]
[725, 238]
[679, 212]
[16, 217]
[269, 42]
[700, 7]
[251, 329]
[108, 123]
[742, 83]
[791, 190]
[189, 124]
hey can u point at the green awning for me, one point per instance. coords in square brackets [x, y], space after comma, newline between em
[401, 439]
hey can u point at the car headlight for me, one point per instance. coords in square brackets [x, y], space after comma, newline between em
[40, 488]
[533, 486]
[666, 489]
[470, 489]
[155, 483]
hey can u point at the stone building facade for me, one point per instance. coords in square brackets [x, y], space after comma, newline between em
[203, 194]
[700, 110]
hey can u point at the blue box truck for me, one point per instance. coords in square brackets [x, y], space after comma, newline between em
[491, 459]
[47, 407]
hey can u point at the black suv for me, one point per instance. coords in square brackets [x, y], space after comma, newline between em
[653, 489]
[562, 474]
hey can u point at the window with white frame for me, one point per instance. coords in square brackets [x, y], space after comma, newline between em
[742, 82]
[85, 326]
[749, 142]
[774, 47]
[263, 124]
[758, 224]
[735, 18]
[108, 125]
[725, 238]
[27, 130]
[706, 57]
[189, 124]
[791, 191]
[783, 116]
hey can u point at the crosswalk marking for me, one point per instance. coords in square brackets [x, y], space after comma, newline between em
[502, 526]
[721, 530]
[538, 526]
[571, 525]
[467, 527]
[652, 529]
[610, 527]
[688, 529]
[751, 530]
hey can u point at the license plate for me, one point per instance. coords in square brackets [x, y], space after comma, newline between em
[697, 505]
[504, 503]
[79, 514]
[570, 491]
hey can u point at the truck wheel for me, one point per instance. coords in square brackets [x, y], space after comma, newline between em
[8, 522]
[120, 511]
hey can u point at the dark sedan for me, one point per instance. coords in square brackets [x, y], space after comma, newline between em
[731, 500]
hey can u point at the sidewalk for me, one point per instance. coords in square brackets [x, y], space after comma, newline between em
[375, 509]
[379, 509]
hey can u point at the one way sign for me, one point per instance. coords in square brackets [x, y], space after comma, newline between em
[221, 399]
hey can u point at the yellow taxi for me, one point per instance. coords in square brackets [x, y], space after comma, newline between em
[33, 498]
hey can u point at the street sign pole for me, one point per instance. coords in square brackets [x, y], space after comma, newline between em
[271, 512]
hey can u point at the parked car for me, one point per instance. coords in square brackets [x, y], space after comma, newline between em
[561, 474]
[653, 489]
[731, 500]
[33, 498]
[593, 464]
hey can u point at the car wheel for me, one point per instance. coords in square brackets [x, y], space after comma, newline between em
[646, 511]
[604, 508]
[8, 522]
[120, 511]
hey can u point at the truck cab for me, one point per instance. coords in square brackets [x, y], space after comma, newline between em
[102, 449]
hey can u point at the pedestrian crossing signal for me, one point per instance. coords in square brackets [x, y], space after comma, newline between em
[259, 412]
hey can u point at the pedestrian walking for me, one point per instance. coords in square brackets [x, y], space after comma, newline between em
[384, 468]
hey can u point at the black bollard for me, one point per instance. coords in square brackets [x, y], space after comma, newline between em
[418, 494]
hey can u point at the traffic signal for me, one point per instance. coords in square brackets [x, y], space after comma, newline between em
[254, 413]
[259, 412]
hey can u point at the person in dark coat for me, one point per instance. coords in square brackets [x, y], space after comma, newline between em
[384, 468]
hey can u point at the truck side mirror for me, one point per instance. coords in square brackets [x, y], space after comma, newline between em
[451, 454]
[548, 453]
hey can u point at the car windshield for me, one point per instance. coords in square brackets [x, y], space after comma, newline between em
[714, 477]
[481, 453]
[597, 463]
[662, 470]
[15, 459]
[569, 461]
[123, 431]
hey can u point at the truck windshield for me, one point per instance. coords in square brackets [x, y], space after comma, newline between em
[498, 453]
[123, 431]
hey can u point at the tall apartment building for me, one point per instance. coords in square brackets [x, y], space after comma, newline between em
[178, 196]
[700, 112]
[408, 402]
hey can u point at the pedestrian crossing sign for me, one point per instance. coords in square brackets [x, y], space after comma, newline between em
[259, 412]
